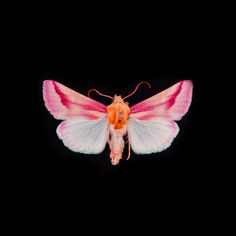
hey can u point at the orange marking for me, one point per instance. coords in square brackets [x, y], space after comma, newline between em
[118, 112]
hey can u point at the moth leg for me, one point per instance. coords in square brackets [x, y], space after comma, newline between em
[128, 152]
[112, 127]
[127, 139]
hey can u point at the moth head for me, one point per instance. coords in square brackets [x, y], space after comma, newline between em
[118, 99]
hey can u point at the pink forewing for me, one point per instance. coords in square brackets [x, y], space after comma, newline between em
[64, 103]
[172, 103]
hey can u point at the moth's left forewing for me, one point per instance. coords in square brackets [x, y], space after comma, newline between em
[171, 103]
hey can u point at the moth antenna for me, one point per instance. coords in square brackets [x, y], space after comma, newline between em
[144, 82]
[104, 95]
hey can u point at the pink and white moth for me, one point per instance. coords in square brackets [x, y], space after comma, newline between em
[88, 125]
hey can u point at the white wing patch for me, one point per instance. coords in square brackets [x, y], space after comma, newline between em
[151, 136]
[84, 136]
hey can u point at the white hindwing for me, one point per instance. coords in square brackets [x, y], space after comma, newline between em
[152, 135]
[83, 135]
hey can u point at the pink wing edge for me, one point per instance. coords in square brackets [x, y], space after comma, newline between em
[64, 103]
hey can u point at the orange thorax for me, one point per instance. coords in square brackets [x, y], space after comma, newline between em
[118, 112]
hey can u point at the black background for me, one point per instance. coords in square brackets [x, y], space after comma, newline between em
[116, 67]
[92, 51]
[113, 59]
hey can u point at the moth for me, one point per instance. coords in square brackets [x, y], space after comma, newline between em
[88, 125]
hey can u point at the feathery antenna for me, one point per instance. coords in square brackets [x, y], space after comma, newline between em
[104, 95]
[144, 82]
